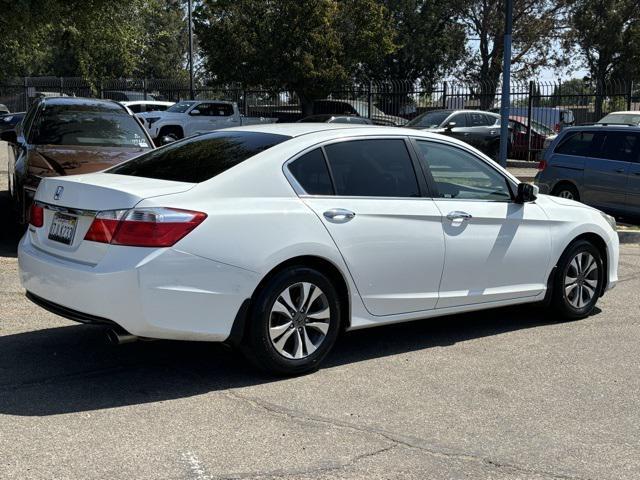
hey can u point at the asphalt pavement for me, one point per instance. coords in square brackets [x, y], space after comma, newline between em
[503, 394]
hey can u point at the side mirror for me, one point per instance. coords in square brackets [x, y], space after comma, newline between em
[449, 126]
[527, 193]
[9, 136]
[194, 112]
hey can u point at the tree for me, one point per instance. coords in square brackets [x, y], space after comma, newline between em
[535, 25]
[308, 47]
[165, 40]
[430, 39]
[607, 37]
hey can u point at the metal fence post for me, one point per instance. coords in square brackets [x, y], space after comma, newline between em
[444, 94]
[370, 98]
[629, 93]
[61, 85]
[101, 87]
[529, 115]
[144, 87]
[245, 103]
[26, 93]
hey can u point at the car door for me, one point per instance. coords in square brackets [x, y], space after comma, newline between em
[496, 249]
[368, 196]
[482, 130]
[632, 191]
[607, 169]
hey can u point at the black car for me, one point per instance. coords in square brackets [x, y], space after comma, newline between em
[477, 128]
[329, 118]
[10, 120]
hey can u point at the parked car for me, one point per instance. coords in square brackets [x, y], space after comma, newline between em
[330, 118]
[190, 117]
[518, 127]
[359, 108]
[141, 106]
[556, 118]
[277, 238]
[621, 118]
[4, 109]
[475, 127]
[128, 96]
[10, 120]
[596, 165]
[67, 136]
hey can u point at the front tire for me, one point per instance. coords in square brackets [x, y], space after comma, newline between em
[294, 322]
[579, 281]
[566, 191]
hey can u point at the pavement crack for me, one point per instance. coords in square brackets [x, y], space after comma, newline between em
[397, 440]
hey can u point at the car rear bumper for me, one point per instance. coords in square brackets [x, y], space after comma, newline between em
[155, 293]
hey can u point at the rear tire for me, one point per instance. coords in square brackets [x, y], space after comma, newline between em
[578, 281]
[294, 322]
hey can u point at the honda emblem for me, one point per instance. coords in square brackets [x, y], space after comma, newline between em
[58, 193]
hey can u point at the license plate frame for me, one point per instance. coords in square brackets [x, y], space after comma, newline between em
[63, 228]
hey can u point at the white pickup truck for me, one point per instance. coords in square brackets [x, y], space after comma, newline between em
[190, 117]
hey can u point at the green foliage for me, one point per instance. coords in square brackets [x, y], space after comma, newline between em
[308, 47]
[92, 38]
[430, 37]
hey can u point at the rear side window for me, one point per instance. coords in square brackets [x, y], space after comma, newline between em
[200, 158]
[372, 168]
[620, 146]
[215, 109]
[311, 172]
[478, 120]
[579, 143]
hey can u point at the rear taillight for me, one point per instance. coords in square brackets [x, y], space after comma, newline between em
[557, 128]
[36, 215]
[143, 227]
[542, 165]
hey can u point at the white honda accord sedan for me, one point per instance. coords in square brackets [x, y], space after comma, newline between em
[277, 238]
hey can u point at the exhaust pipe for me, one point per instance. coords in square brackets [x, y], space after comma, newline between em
[118, 337]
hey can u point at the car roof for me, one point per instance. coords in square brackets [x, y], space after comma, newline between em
[626, 112]
[145, 102]
[606, 126]
[91, 102]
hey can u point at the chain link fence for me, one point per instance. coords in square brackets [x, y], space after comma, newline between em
[553, 104]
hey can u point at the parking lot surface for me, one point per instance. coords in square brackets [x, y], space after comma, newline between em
[502, 394]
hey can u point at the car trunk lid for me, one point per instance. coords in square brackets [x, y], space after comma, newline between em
[71, 203]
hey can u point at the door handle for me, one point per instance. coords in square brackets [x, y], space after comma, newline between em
[339, 215]
[619, 170]
[636, 173]
[457, 215]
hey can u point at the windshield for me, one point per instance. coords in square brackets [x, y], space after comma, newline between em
[180, 107]
[87, 125]
[429, 120]
[622, 118]
[199, 158]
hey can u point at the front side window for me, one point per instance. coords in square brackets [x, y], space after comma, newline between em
[478, 120]
[460, 120]
[87, 125]
[215, 109]
[460, 175]
[200, 158]
[372, 168]
[311, 172]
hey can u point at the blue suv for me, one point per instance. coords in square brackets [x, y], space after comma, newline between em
[598, 165]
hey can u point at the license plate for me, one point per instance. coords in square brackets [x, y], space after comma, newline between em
[63, 228]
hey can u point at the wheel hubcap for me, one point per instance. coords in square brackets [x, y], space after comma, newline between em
[299, 320]
[581, 280]
[566, 194]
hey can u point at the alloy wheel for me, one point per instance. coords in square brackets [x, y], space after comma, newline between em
[581, 280]
[566, 194]
[299, 320]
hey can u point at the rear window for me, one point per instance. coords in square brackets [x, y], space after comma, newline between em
[87, 125]
[200, 158]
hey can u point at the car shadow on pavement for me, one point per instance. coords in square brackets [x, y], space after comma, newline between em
[73, 369]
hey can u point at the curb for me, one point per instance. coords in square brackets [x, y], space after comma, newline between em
[522, 164]
[626, 236]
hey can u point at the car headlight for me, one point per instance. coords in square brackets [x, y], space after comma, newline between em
[610, 220]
